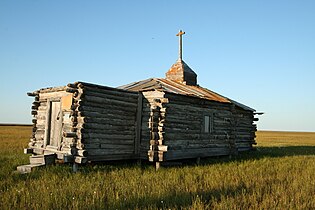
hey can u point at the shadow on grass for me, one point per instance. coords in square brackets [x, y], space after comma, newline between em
[259, 153]
[181, 200]
[263, 152]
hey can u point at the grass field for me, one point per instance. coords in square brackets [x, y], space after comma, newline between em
[279, 175]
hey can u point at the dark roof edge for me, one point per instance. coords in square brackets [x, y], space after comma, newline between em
[242, 105]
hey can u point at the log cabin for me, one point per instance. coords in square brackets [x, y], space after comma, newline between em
[157, 119]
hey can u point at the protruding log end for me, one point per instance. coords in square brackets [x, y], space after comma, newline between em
[69, 134]
[33, 94]
[71, 85]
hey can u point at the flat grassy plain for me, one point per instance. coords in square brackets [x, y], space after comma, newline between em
[279, 175]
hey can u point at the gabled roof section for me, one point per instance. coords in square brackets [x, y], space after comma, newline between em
[174, 87]
[179, 88]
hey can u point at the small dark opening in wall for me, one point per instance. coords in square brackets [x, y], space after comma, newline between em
[208, 124]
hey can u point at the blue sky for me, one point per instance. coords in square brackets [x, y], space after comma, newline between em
[260, 53]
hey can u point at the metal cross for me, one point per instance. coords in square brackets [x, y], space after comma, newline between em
[180, 34]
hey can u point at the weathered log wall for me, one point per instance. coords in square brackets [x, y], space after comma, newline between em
[41, 112]
[232, 128]
[106, 122]
[101, 123]
[98, 123]
[244, 129]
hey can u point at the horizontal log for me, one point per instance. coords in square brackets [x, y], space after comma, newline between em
[106, 121]
[125, 98]
[108, 114]
[182, 121]
[202, 141]
[117, 146]
[53, 89]
[181, 130]
[174, 136]
[108, 131]
[92, 146]
[100, 126]
[41, 117]
[70, 140]
[100, 100]
[53, 94]
[194, 153]
[91, 143]
[93, 152]
[177, 105]
[117, 91]
[41, 108]
[41, 112]
[198, 146]
[109, 157]
[84, 104]
[39, 136]
[183, 99]
[106, 136]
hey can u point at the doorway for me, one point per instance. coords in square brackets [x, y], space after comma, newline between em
[54, 124]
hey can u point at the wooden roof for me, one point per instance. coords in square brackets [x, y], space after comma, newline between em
[180, 88]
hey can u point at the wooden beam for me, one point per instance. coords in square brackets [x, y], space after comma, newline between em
[138, 124]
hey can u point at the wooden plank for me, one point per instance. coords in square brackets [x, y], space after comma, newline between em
[56, 124]
[52, 95]
[23, 169]
[47, 123]
[53, 89]
[138, 124]
[66, 102]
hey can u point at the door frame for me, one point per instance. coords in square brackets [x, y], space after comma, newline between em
[48, 124]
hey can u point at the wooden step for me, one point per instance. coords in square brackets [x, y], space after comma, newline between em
[27, 168]
[47, 159]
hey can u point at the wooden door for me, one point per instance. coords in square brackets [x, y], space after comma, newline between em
[55, 124]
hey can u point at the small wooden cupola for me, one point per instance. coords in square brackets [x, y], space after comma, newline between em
[180, 71]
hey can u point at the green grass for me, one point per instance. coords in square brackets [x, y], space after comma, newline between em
[279, 175]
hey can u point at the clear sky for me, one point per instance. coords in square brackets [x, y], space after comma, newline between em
[260, 53]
